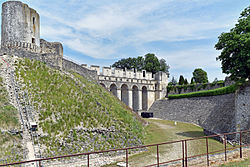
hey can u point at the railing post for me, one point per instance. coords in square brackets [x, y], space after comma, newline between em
[207, 151]
[186, 153]
[158, 160]
[88, 160]
[240, 144]
[183, 154]
[126, 157]
[225, 144]
[40, 164]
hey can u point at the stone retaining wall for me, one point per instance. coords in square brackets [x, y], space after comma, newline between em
[213, 112]
[217, 114]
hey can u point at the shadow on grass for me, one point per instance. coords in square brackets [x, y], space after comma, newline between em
[191, 134]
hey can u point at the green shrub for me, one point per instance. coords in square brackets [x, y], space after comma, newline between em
[170, 88]
[192, 86]
[179, 88]
[214, 92]
[221, 83]
[204, 85]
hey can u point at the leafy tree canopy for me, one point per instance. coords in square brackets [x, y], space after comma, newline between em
[200, 76]
[149, 63]
[186, 82]
[192, 80]
[235, 48]
[181, 80]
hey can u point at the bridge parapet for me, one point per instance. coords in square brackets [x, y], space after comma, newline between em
[118, 72]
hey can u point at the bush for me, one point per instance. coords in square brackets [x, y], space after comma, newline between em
[221, 83]
[214, 92]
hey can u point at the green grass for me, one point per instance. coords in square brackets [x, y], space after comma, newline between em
[11, 147]
[159, 131]
[244, 163]
[67, 102]
[213, 92]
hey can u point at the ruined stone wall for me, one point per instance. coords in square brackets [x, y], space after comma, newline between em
[19, 24]
[71, 66]
[51, 47]
[50, 59]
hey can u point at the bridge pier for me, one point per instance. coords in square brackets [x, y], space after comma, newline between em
[140, 100]
[130, 98]
[119, 95]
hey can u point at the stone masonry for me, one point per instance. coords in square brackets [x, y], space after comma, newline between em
[137, 89]
[215, 114]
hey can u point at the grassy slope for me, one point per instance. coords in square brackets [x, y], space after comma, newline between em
[70, 109]
[159, 131]
[167, 131]
[244, 163]
[10, 145]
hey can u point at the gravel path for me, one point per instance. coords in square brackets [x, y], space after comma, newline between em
[169, 152]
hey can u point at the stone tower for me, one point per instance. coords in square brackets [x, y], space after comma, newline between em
[20, 24]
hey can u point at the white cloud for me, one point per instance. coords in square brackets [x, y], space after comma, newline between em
[89, 48]
[86, 26]
[183, 62]
[124, 23]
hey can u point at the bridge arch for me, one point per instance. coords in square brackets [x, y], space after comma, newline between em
[135, 98]
[124, 94]
[144, 98]
[113, 89]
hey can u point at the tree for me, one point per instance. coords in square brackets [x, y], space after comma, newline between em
[200, 76]
[192, 80]
[152, 63]
[186, 82]
[215, 80]
[234, 46]
[149, 63]
[128, 63]
[163, 66]
[181, 80]
[139, 63]
[173, 81]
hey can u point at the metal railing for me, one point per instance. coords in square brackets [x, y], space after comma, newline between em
[184, 148]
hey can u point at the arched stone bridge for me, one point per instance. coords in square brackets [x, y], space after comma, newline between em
[138, 90]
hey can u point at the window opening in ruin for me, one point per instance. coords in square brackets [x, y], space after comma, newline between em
[34, 19]
[144, 73]
[33, 40]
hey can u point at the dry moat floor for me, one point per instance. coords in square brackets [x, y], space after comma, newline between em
[163, 131]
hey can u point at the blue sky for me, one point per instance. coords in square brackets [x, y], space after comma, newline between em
[100, 32]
